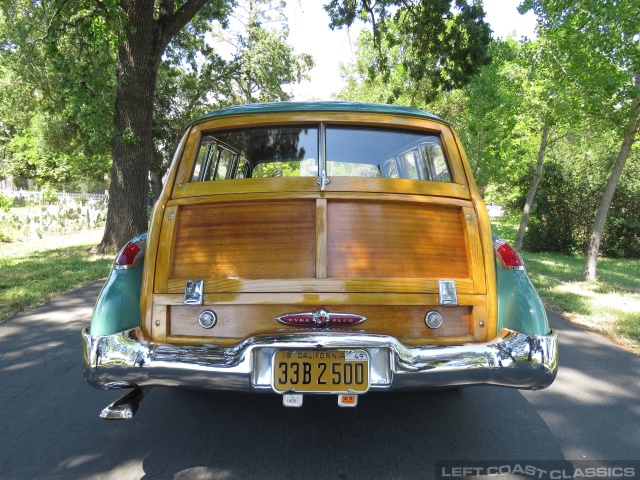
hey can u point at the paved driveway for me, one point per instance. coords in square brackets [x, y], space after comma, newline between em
[49, 425]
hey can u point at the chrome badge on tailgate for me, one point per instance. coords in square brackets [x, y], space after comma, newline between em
[320, 319]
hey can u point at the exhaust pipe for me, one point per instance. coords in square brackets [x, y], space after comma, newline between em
[126, 407]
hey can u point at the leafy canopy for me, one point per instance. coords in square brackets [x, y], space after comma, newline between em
[436, 47]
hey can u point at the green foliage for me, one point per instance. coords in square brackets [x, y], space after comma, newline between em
[57, 77]
[567, 200]
[261, 61]
[264, 63]
[5, 203]
[50, 194]
[563, 212]
[595, 45]
[58, 81]
[435, 47]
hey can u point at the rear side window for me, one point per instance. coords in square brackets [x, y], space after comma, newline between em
[257, 153]
[290, 151]
[385, 153]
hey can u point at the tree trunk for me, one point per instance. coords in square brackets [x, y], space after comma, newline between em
[139, 58]
[533, 188]
[593, 250]
[133, 117]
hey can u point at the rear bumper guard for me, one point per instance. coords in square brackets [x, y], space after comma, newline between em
[512, 359]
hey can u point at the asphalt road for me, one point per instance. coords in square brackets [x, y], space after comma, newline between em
[49, 425]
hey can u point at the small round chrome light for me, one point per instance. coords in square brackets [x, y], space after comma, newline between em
[207, 319]
[433, 319]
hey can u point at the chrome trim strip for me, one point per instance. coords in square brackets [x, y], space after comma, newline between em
[513, 359]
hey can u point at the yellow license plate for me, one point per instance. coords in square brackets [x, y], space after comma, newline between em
[321, 371]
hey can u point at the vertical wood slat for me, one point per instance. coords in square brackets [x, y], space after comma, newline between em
[321, 238]
[165, 248]
[479, 325]
[159, 325]
[474, 249]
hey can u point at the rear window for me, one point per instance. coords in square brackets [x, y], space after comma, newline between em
[296, 152]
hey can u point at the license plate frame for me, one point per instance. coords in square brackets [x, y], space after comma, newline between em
[353, 367]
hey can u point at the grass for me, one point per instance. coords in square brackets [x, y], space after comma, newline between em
[37, 270]
[610, 306]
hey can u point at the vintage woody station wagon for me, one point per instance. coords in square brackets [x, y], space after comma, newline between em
[318, 248]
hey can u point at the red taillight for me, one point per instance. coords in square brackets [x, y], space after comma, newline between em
[507, 256]
[128, 256]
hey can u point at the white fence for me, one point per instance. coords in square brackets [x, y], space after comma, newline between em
[50, 212]
[38, 195]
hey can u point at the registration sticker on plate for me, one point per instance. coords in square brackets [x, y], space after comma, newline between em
[321, 371]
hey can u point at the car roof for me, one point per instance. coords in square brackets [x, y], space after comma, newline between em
[329, 106]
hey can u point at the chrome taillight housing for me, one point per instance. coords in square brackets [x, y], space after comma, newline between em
[130, 255]
[507, 256]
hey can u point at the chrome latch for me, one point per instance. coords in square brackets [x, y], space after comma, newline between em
[323, 181]
[193, 292]
[447, 293]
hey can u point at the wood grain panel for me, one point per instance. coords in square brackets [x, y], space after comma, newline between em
[246, 240]
[310, 285]
[321, 238]
[165, 242]
[308, 184]
[212, 197]
[389, 239]
[314, 299]
[474, 247]
[235, 323]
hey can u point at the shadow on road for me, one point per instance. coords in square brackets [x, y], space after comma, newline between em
[49, 425]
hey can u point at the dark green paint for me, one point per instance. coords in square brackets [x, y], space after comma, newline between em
[118, 306]
[519, 306]
[353, 107]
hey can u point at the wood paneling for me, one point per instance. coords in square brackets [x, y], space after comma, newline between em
[272, 243]
[286, 185]
[312, 285]
[246, 240]
[321, 238]
[389, 239]
[315, 299]
[236, 322]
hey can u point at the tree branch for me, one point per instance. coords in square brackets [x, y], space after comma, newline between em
[53, 17]
[171, 25]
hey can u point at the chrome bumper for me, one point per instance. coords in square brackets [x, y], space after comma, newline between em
[512, 359]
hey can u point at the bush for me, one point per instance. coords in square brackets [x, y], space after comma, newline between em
[565, 207]
[5, 202]
[621, 237]
[49, 194]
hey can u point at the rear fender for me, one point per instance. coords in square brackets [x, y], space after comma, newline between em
[118, 306]
[519, 306]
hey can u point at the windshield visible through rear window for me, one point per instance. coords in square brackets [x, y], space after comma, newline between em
[294, 151]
